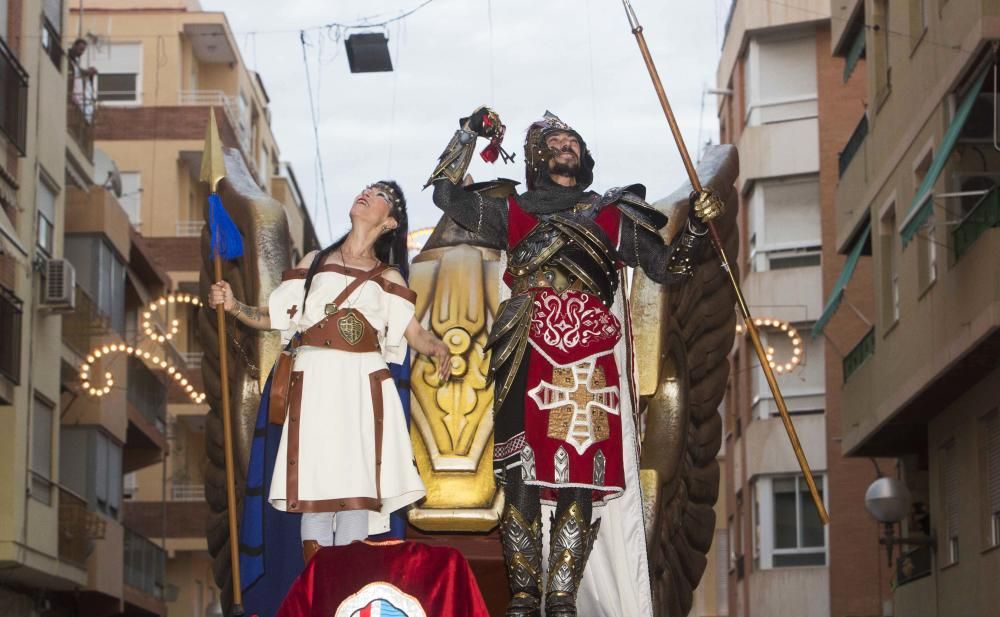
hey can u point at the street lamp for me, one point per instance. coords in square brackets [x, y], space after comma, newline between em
[888, 501]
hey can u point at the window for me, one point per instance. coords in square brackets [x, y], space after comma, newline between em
[788, 531]
[100, 272]
[131, 199]
[926, 246]
[990, 462]
[119, 72]
[784, 223]
[804, 386]
[3, 20]
[107, 475]
[51, 35]
[721, 571]
[781, 78]
[880, 56]
[13, 98]
[888, 266]
[90, 464]
[950, 474]
[918, 21]
[45, 198]
[11, 309]
[41, 450]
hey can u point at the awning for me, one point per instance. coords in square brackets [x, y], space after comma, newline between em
[8, 236]
[923, 204]
[837, 294]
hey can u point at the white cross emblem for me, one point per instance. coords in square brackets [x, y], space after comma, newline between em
[578, 404]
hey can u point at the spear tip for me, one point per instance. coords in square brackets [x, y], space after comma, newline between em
[213, 166]
[633, 21]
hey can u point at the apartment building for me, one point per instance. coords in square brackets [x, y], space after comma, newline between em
[162, 66]
[918, 191]
[788, 105]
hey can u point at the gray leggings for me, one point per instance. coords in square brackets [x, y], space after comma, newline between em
[351, 525]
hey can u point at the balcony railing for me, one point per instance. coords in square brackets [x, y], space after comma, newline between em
[78, 528]
[14, 95]
[187, 491]
[853, 144]
[144, 564]
[984, 215]
[147, 393]
[861, 352]
[192, 358]
[84, 323]
[189, 229]
[11, 309]
[217, 98]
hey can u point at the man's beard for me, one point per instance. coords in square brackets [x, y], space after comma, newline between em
[568, 170]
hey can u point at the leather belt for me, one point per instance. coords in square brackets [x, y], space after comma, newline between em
[344, 330]
[551, 277]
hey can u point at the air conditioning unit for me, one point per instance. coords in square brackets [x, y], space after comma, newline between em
[58, 294]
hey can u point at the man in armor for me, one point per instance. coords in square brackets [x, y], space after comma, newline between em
[565, 433]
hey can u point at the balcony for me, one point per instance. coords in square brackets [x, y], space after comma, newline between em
[78, 528]
[81, 109]
[984, 215]
[187, 491]
[862, 351]
[853, 145]
[84, 324]
[144, 565]
[14, 93]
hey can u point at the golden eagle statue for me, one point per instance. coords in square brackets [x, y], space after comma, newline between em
[682, 360]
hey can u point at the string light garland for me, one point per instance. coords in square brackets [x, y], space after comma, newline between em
[149, 328]
[798, 354]
[415, 239]
[87, 369]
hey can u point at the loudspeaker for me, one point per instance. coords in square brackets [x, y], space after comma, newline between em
[368, 53]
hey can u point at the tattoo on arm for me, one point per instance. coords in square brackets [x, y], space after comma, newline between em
[253, 316]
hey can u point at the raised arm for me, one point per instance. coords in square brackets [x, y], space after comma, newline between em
[481, 215]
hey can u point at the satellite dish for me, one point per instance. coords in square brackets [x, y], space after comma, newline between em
[106, 172]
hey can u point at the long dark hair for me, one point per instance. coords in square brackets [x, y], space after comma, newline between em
[390, 248]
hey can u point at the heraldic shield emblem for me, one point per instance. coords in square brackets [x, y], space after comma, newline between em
[380, 600]
[351, 328]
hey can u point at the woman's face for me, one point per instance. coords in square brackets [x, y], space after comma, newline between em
[373, 206]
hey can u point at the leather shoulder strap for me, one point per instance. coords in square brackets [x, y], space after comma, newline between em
[359, 281]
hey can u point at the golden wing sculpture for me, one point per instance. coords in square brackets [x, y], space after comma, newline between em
[683, 372]
[266, 252]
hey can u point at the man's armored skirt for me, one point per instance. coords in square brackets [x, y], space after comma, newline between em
[345, 444]
[557, 377]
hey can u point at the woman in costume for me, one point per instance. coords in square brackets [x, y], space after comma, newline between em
[345, 459]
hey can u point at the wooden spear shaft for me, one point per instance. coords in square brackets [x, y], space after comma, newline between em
[212, 172]
[692, 173]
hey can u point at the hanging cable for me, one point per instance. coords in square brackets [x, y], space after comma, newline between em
[315, 126]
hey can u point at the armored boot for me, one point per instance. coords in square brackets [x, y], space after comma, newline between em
[570, 543]
[522, 553]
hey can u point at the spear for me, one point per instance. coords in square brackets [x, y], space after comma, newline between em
[226, 242]
[717, 243]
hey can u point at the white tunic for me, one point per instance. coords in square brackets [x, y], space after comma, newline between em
[336, 460]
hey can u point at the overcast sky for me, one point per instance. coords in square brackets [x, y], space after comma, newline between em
[576, 58]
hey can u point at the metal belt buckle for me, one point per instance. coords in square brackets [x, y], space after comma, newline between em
[330, 308]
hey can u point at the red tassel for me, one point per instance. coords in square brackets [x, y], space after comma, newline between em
[491, 153]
